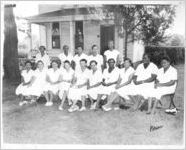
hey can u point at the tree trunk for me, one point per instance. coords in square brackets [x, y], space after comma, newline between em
[10, 62]
[125, 43]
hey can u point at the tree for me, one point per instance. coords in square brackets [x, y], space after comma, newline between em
[138, 21]
[10, 62]
[160, 18]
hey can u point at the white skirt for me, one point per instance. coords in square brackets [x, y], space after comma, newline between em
[93, 92]
[53, 88]
[125, 91]
[26, 91]
[160, 91]
[107, 90]
[64, 86]
[76, 93]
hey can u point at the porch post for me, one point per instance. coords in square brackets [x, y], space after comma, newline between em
[71, 38]
[30, 28]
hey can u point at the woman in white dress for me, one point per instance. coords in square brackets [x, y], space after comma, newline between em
[40, 81]
[27, 79]
[78, 90]
[124, 86]
[165, 84]
[144, 78]
[67, 76]
[94, 83]
[110, 79]
[53, 79]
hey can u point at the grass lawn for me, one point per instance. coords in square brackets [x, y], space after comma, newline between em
[37, 124]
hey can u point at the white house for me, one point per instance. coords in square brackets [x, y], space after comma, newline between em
[74, 25]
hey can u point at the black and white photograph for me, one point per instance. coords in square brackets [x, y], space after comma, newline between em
[93, 74]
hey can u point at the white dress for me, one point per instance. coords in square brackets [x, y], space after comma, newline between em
[64, 86]
[75, 93]
[39, 84]
[54, 76]
[94, 78]
[127, 90]
[109, 77]
[25, 90]
[142, 73]
[163, 77]
[77, 59]
[98, 58]
[63, 58]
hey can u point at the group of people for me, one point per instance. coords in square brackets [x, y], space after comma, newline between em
[97, 78]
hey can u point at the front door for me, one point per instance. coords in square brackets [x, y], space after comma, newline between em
[107, 34]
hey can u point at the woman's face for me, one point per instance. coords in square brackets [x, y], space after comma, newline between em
[165, 64]
[95, 50]
[28, 66]
[111, 63]
[66, 65]
[54, 65]
[93, 66]
[127, 64]
[40, 65]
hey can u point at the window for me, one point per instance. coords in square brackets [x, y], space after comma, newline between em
[55, 35]
[79, 41]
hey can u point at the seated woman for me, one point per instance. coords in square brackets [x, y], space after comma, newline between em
[144, 78]
[124, 86]
[67, 76]
[40, 81]
[53, 78]
[27, 79]
[165, 84]
[94, 82]
[110, 79]
[78, 90]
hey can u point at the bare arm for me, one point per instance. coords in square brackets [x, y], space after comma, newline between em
[126, 83]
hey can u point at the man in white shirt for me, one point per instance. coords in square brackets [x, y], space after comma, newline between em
[111, 53]
[144, 78]
[43, 57]
[65, 55]
[78, 90]
[96, 57]
[80, 55]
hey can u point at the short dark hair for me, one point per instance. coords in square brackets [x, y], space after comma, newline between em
[40, 61]
[65, 46]
[93, 61]
[111, 59]
[66, 61]
[42, 47]
[94, 46]
[148, 55]
[130, 61]
[80, 46]
[56, 61]
[166, 58]
[83, 60]
[28, 62]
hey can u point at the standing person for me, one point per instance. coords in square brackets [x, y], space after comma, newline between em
[53, 79]
[96, 57]
[94, 83]
[39, 82]
[111, 53]
[43, 57]
[67, 76]
[27, 79]
[144, 78]
[79, 56]
[78, 90]
[110, 79]
[65, 55]
[124, 86]
[165, 84]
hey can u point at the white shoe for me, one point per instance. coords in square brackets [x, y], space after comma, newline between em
[82, 108]
[32, 101]
[174, 110]
[116, 108]
[49, 104]
[93, 106]
[106, 109]
[22, 103]
[168, 110]
[60, 108]
[70, 102]
[73, 108]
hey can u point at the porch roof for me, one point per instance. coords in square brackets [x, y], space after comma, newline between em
[64, 15]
